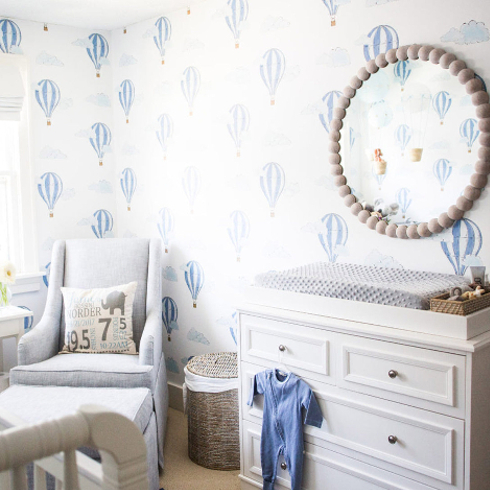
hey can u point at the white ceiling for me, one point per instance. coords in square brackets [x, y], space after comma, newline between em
[90, 14]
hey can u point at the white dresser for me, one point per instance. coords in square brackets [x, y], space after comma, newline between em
[403, 410]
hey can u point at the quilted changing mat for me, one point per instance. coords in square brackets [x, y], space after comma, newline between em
[379, 285]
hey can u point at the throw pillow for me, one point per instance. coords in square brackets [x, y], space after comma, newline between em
[99, 320]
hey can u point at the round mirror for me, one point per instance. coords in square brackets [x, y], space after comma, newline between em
[406, 141]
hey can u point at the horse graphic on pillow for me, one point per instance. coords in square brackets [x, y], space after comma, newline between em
[114, 300]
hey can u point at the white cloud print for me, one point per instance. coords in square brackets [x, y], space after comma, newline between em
[335, 58]
[44, 58]
[469, 33]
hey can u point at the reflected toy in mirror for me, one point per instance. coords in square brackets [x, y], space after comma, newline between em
[386, 210]
[380, 164]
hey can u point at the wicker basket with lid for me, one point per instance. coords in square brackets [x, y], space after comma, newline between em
[212, 412]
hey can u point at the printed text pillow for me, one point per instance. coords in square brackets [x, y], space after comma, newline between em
[99, 320]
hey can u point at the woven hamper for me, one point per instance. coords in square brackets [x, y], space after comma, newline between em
[212, 417]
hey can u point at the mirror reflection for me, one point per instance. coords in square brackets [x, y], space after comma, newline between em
[411, 136]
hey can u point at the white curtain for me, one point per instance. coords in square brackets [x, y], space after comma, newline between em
[12, 92]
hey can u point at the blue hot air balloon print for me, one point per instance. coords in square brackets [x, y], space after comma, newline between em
[381, 39]
[164, 132]
[104, 222]
[162, 36]
[403, 200]
[128, 185]
[379, 178]
[126, 97]
[329, 101]
[98, 51]
[333, 7]
[272, 69]
[469, 132]
[190, 84]
[403, 135]
[170, 314]
[47, 268]
[239, 125]
[465, 240]
[165, 226]
[441, 103]
[100, 139]
[194, 278]
[10, 36]
[48, 97]
[272, 183]
[234, 328]
[238, 231]
[191, 182]
[50, 188]
[335, 236]
[402, 72]
[238, 14]
[352, 137]
[442, 170]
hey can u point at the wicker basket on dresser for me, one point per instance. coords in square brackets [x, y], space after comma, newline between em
[403, 410]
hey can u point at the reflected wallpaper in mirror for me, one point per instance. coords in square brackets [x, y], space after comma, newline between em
[412, 141]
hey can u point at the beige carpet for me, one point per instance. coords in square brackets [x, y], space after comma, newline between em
[180, 472]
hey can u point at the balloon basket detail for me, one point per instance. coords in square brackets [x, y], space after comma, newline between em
[51, 214]
[237, 45]
[333, 23]
[441, 123]
[188, 11]
[469, 151]
[238, 153]
[163, 62]
[101, 163]
[194, 305]
[48, 123]
[129, 208]
[416, 154]
[166, 250]
[97, 75]
[273, 214]
[190, 113]
[238, 259]
[45, 27]
[273, 102]
[169, 339]
[127, 121]
[442, 189]
[125, 31]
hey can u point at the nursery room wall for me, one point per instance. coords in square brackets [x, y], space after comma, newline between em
[200, 180]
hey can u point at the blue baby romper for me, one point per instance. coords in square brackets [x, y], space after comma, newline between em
[282, 429]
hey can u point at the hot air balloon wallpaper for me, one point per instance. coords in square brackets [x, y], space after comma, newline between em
[403, 135]
[190, 84]
[98, 51]
[50, 188]
[352, 137]
[238, 231]
[48, 97]
[465, 240]
[379, 178]
[165, 226]
[163, 35]
[191, 182]
[402, 72]
[128, 185]
[469, 132]
[441, 103]
[10, 36]
[272, 183]
[335, 236]
[239, 124]
[238, 13]
[403, 200]
[329, 100]
[194, 278]
[170, 314]
[381, 39]
[126, 97]
[234, 328]
[164, 132]
[104, 222]
[333, 7]
[100, 139]
[442, 170]
[272, 69]
[47, 268]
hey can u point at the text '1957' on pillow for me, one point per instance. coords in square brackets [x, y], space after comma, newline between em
[99, 320]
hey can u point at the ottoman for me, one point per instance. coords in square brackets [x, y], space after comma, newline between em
[36, 404]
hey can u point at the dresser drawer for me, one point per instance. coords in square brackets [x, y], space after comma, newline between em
[419, 377]
[323, 469]
[429, 447]
[304, 350]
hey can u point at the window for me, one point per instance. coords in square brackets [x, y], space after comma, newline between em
[17, 237]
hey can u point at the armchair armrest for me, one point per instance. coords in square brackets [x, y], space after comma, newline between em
[40, 343]
[151, 340]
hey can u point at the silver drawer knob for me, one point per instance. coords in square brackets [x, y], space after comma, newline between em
[282, 348]
[284, 466]
[392, 439]
[392, 374]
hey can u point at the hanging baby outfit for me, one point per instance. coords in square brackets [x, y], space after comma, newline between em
[282, 428]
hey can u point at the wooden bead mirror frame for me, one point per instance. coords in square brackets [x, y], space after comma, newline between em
[480, 99]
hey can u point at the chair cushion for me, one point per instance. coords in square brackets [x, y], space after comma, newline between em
[87, 370]
[39, 403]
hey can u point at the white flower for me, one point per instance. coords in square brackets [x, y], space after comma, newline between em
[7, 272]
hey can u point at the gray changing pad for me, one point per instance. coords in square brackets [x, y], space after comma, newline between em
[379, 285]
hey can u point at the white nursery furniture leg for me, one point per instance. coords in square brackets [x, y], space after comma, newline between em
[39, 478]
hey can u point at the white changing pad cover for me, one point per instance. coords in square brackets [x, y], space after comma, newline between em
[379, 285]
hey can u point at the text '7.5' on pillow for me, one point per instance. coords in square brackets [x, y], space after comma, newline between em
[99, 320]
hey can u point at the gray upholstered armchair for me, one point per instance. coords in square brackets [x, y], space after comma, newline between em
[98, 264]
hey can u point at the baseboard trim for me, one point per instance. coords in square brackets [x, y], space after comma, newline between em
[175, 396]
